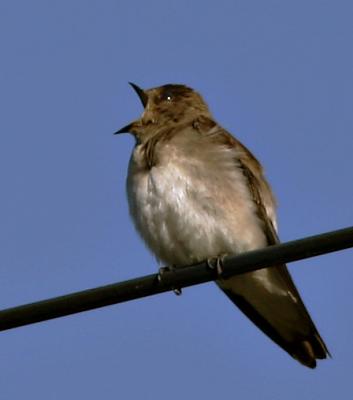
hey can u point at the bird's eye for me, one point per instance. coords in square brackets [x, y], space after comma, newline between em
[167, 97]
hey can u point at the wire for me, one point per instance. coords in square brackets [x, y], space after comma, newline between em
[174, 278]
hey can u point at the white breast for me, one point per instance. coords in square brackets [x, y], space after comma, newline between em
[188, 209]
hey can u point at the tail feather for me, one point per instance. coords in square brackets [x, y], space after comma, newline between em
[308, 351]
[283, 319]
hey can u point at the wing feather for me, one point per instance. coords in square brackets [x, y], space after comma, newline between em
[281, 313]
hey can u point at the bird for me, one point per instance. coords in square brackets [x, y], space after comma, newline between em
[195, 192]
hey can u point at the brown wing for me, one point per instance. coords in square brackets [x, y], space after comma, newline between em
[269, 297]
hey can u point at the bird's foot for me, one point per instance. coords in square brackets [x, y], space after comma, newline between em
[216, 264]
[164, 270]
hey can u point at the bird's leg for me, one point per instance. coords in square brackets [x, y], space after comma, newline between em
[166, 269]
[216, 264]
[163, 270]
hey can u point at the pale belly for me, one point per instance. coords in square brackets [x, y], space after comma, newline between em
[187, 214]
[188, 209]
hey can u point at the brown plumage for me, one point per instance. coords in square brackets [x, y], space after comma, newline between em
[195, 192]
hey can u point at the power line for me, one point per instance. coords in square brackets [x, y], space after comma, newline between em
[176, 278]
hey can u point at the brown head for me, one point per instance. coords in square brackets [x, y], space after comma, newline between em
[166, 105]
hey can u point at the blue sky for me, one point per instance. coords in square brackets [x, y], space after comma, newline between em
[279, 76]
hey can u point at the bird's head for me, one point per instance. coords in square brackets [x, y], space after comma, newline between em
[166, 105]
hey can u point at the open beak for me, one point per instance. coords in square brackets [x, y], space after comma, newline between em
[141, 93]
[125, 129]
[143, 97]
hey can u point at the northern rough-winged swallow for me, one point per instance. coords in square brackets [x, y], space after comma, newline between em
[195, 193]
